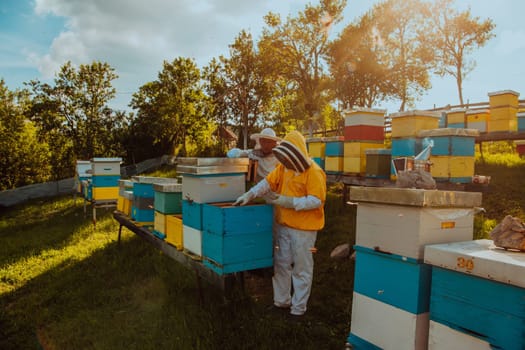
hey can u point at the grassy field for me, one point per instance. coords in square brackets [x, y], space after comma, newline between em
[65, 285]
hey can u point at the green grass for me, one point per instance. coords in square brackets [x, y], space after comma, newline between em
[66, 285]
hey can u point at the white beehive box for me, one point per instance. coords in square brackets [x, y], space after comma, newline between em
[213, 188]
[479, 258]
[105, 166]
[403, 220]
[442, 337]
[386, 327]
[192, 239]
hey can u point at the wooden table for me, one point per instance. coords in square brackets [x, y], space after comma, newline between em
[225, 283]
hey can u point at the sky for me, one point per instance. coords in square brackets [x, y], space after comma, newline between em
[135, 36]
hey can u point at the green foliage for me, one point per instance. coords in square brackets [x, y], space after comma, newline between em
[24, 159]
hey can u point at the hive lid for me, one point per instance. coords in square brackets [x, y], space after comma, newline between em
[448, 132]
[503, 92]
[106, 160]
[217, 161]
[154, 180]
[382, 151]
[477, 111]
[415, 197]
[167, 187]
[416, 113]
[480, 258]
[349, 112]
[334, 138]
[211, 170]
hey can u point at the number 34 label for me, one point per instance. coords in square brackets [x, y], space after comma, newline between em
[464, 263]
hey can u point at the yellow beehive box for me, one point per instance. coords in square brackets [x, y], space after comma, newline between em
[333, 164]
[502, 125]
[408, 124]
[456, 116]
[503, 113]
[120, 203]
[354, 165]
[446, 167]
[159, 222]
[477, 119]
[503, 98]
[316, 149]
[105, 193]
[126, 207]
[357, 149]
[174, 230]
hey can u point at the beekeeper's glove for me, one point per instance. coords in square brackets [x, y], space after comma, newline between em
[244, 199]
[284, 201]
[234, 153]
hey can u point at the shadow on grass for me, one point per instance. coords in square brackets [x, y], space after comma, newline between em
[132, 296]
[29, 229]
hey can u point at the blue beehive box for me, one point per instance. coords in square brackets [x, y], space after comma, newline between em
[235, 253]
[192, 214]
[319, 161]
[105, 180]
[479, 289]
[405, 147]
[144, 190]
[225, 219]
[334, 149]
[451, 142]
[398, 281]
[142, 215]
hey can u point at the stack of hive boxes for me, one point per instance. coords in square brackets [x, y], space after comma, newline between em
[503, 111]
[477, 119]
[316, 149]
[207, 180]
[364, 130]
[125, 196]
[477, 296]
[105, 176]
[456, 118]
[83, 175]
[390, 307]
[453, 153]
[405, 128]
[167, 201]
[237, 238]
[334, 154]
[142, 208]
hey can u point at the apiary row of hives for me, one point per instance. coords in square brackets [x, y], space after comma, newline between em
[98, 178]
[504, 114]
[422, 282]
[196, 215]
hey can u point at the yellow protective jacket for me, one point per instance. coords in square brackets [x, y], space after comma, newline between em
[300, 177]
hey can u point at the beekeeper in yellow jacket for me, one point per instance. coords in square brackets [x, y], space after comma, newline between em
[300, 186]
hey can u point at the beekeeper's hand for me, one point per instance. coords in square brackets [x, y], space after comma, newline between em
[244, 199]
[284, 201]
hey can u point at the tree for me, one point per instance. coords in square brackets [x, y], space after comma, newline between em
[399, 25]
[455, 35]
[359, 69]
[24, 160]
[294, 51]
[77, 107]
[171, 109]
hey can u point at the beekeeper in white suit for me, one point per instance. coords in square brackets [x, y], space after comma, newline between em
[262, 153]
[300, 186]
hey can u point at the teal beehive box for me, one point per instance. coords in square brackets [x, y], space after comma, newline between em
[168, 198]
[226, 219]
